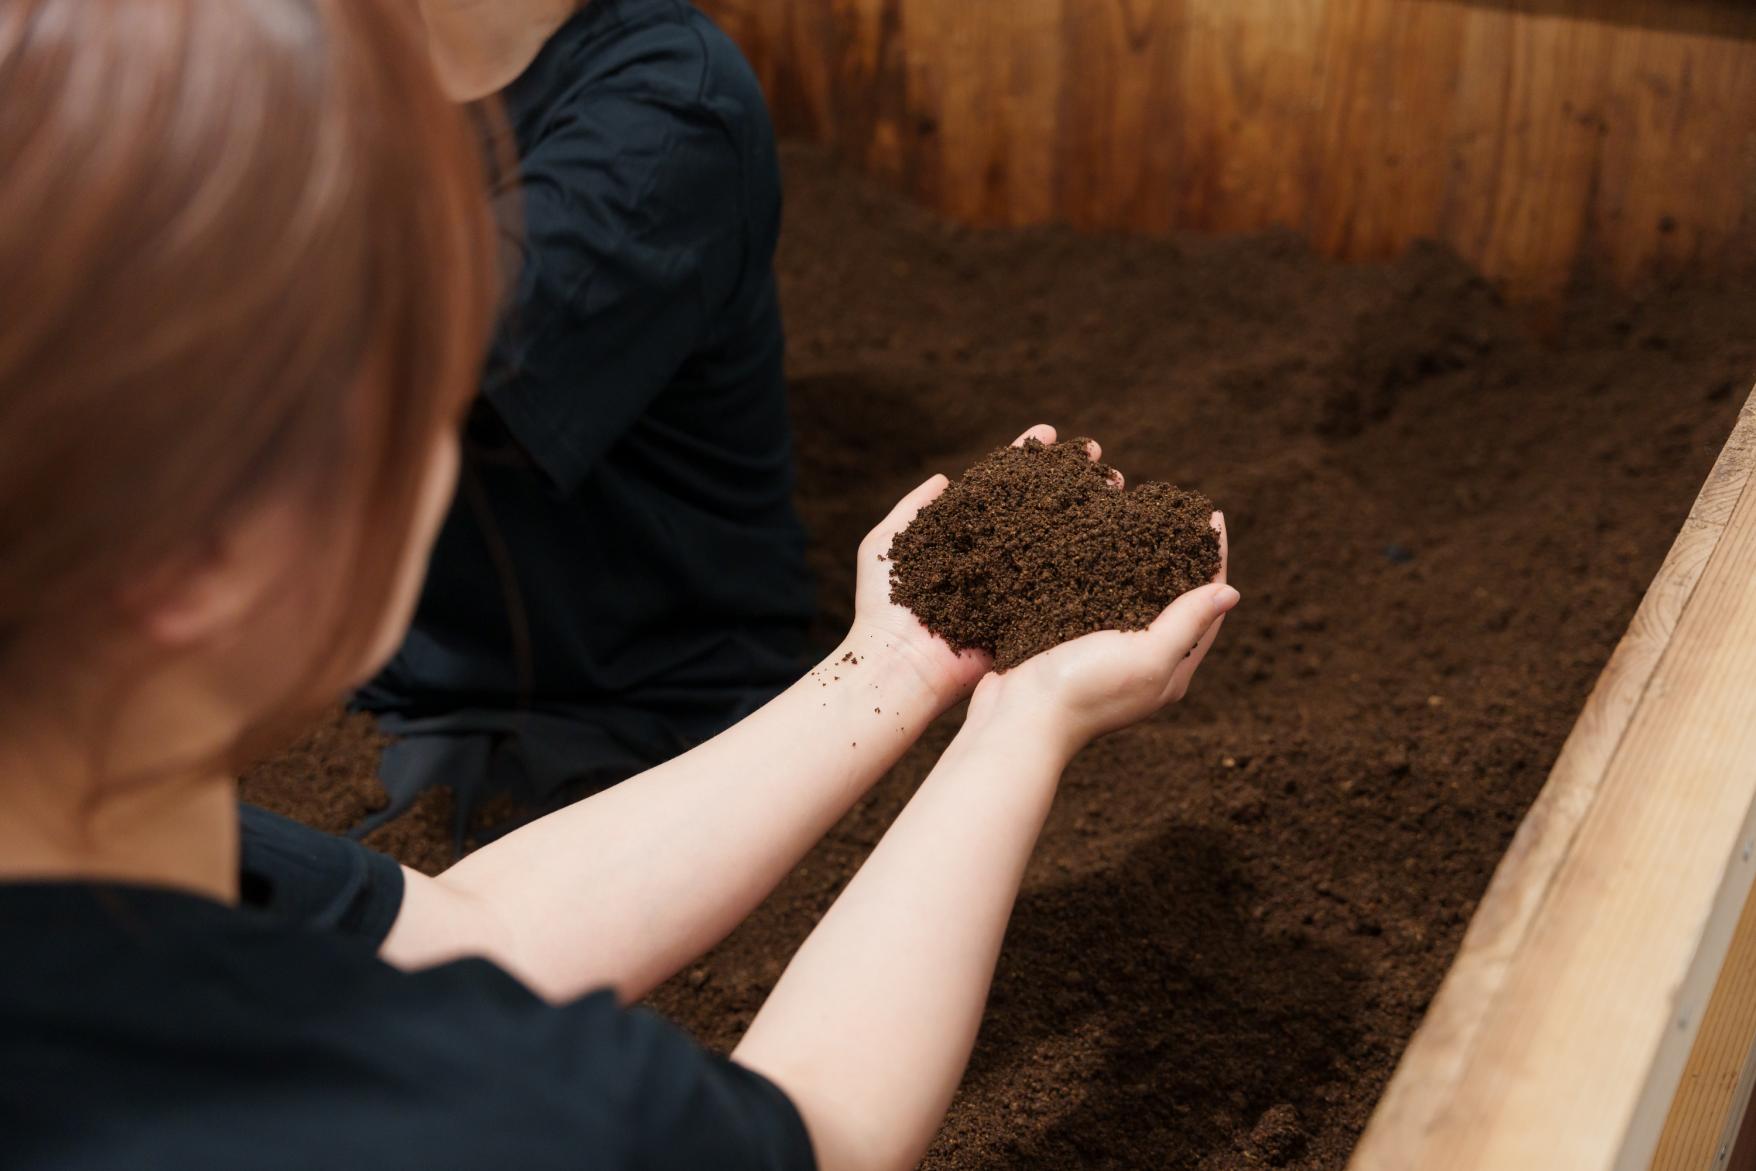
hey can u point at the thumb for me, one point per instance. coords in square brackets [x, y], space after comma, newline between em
[1181, 626]
[906, 508]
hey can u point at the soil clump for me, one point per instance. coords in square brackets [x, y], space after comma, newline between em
[1035, 545]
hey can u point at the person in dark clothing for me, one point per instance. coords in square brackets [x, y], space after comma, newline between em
[247, 279]
[622, 575]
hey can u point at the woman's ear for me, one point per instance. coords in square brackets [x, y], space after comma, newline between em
[207, 591]
[183, 605]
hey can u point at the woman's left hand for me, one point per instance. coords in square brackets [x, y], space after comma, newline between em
[949, 674]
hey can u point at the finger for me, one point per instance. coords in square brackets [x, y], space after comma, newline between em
[1185, 672]
[923, 494]
[1179, 629]
[1042, 432]
[1094, 451]
[906, 508]
[1218, 521]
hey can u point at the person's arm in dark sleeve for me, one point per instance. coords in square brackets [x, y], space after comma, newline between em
[698, 1109]
[630, 230]
[592, 1084]
[316, 880]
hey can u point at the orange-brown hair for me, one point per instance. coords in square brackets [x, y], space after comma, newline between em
[244, 249]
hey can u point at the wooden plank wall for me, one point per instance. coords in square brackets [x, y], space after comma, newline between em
[1530, 135]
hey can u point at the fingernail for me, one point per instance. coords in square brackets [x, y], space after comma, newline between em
[1219, 519]
[1224, 598]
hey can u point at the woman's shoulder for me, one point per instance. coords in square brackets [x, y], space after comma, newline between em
[201, 1029]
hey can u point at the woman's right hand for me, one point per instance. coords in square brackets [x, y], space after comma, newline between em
[1076, 692]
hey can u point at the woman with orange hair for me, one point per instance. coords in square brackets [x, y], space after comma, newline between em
[245, 285]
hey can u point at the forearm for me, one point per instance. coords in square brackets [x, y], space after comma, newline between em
[626, 887]
[871, 1026]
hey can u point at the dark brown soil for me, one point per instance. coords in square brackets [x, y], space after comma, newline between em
[329, 778]
[1440, 524]
[1034, 545]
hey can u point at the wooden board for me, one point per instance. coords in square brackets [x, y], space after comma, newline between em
[1533, 136]
[1561, 1032]
[1702, 1128]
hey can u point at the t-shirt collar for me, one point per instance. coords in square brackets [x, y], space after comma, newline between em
[552, 71]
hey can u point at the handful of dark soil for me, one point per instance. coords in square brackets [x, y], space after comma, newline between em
[1035, 545]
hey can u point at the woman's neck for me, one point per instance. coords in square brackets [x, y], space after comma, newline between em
[179, 832]
[480, 47]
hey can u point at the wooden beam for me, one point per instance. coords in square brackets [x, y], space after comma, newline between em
[1714, 1095]
[1561, 1032]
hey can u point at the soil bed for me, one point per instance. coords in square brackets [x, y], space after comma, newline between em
[1440, 524]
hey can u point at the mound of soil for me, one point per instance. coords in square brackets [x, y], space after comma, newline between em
[1034, 545]
[1442, 521]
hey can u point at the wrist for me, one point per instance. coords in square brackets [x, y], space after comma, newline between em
[1040, 731]
[1013, 705]
[1017, 764]
[913, 673]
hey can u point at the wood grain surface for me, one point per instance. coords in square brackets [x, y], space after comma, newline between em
[1535, 137]
[1702, 1127]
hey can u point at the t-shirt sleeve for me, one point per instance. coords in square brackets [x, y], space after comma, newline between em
[592, 1084]
[628, 232]
[316, 880]
[699, 1109]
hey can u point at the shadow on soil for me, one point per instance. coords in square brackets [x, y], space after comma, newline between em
[1157, 987]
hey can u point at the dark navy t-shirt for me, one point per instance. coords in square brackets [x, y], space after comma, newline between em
[624, 550]
[148, 1030]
